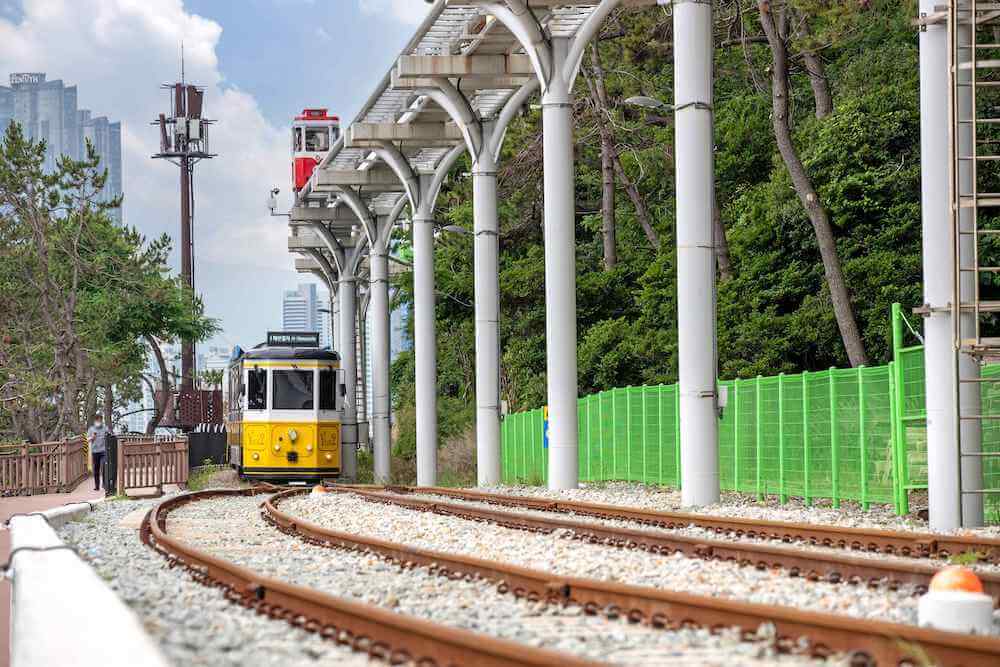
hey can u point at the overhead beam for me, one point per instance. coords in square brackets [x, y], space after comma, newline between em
[351, 178]
[409, 67]
[316, 214]
[305, 265]
[467, 84]
[361, 134]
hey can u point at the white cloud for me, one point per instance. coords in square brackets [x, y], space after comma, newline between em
[118, 52]
[405, 11]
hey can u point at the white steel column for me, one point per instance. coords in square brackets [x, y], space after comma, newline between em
[696, 326]
[560, 272]
[347, 295]
[942, 445]
[379, 313]
[425, 345]
[487, 304]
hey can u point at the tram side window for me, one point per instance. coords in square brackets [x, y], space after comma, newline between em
[293, 390]
[257, 389]
[296, 139]
[328, 389]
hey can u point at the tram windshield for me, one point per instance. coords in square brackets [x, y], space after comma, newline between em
[293, 390]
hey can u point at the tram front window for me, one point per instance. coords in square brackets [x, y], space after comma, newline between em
[293, 390]
[317, 139]
[257, 389]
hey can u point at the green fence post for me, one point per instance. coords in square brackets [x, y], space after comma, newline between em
[600, 432]
[659, 421]
[894, 439]
[898, 397]
[590, 450]
[834, 442]
[677, 435]
[736, 434]
[628, 433]
[862, 437]
[645, 440]
[759, 409]
[781, 438]
[805, 437]
[614, 435]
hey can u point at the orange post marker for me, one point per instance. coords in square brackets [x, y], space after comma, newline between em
[956, 578]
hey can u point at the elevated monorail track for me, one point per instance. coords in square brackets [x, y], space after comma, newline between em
[817, 634]
[394, 638]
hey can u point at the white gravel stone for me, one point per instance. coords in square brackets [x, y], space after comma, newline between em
[850, 514]
[231, 528]
[555, 554]
[194, 624]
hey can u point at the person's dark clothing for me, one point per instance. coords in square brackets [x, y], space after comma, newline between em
[97, 461]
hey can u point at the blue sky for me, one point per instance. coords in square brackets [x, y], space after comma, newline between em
[261, 62]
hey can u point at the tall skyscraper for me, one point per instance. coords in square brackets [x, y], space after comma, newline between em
[47, 110]
[300, 309]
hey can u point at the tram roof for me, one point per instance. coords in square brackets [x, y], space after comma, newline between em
[291, 353]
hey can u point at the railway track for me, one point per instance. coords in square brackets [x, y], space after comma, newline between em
[382, 634]
[889, 542]
[817, 634]
[810, 564]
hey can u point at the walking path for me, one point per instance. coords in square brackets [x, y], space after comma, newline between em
[9, 506]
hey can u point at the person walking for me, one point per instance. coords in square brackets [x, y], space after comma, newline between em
[97, 436]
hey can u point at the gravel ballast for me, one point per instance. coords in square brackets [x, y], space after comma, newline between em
[232, 528]
[194, 624]
[555, 554]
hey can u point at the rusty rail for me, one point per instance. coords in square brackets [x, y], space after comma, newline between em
[819, 634]
[809, 564]
[383, 634]
[890, 542]
[48, 467]
[151, 462]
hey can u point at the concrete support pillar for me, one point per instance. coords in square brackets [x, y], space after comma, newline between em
[347, 295]
[942, 440]
[378, 311]
[487, 303]
[425, 345]
[696, 323]
[560, 272]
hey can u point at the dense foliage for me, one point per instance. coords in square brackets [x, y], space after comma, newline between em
[775, 310]
[80, 296]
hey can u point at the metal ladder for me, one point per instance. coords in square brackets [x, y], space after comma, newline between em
[974, 140]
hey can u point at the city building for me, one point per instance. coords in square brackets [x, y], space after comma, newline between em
[47, 110]
[300, 309]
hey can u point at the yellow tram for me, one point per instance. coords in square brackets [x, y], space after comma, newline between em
[284, 409]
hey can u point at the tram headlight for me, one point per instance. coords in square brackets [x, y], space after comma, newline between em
[256, 456]
[309, 448]
[277, 447]
[329, 457]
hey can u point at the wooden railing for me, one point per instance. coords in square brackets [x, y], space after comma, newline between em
[48, 467]
[151, 462]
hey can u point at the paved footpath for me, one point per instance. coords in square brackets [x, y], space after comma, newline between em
[9, 506]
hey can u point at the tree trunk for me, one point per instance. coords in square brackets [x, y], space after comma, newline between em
[839, 294]
[607, 163]
[721, 244]
[819, 83]
[641, 212]
[161, 406]
[109, 406]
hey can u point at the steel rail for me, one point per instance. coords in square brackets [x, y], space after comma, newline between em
[382, 634]
[809, 564]
[890, 542]
[818, 634]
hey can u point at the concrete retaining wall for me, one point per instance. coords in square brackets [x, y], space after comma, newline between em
[62, 613]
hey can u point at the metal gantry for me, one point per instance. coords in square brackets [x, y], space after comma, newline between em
[468, 71]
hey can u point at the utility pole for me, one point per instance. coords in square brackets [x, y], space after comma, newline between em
[184, 142]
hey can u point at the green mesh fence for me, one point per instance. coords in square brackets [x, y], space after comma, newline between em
[844, 434]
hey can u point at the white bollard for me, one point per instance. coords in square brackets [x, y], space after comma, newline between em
[956, 611]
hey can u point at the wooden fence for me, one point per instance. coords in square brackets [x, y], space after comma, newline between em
[48, 467]
[151, 462]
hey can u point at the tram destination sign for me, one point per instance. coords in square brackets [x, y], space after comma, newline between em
[292, 339]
